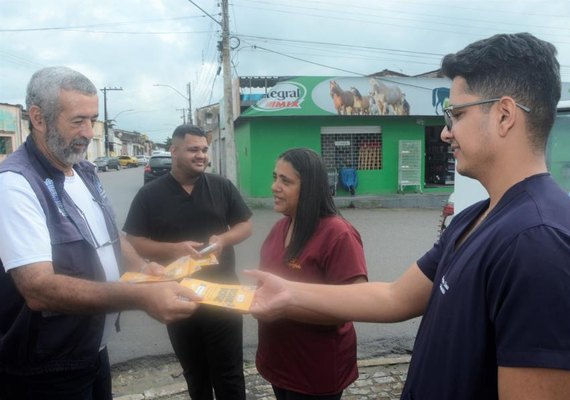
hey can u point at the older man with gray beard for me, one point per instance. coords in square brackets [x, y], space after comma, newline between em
[61, 254]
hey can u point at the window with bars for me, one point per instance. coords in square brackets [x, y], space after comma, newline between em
[362, 151]
[5, 145]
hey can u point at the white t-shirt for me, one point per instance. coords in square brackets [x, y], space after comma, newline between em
[24, 232]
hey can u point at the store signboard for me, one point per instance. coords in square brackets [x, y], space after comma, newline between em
[355, 96]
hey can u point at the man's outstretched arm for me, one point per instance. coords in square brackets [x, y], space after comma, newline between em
[395, 301]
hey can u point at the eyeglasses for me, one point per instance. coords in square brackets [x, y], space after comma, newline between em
[448, 111]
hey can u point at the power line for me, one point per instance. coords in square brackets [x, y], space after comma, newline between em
[351, 46]
[88, 26]
[208, 15]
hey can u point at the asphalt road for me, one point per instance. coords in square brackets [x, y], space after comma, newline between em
[393, 239]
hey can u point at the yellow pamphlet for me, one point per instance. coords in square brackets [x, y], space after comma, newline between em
[236, 297]
[179, 269]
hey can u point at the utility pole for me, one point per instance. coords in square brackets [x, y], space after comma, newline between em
[189, 103]
[188, 98]
[230, 155]
[106, 123]
[183, 114]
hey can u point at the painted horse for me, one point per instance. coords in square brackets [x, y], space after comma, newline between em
[361, 104]
[438, 97]
[387, 96]
[343, 100]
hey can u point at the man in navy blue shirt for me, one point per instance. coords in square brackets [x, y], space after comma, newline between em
[494, 291]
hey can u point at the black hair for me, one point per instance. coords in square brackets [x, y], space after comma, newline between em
[187, 129]
[315, 198]
[517, 65]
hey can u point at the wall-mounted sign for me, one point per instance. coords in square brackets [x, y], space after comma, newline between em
[354, 96]
[284, 95]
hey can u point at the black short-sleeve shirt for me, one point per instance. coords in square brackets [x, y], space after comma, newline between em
[163, 211]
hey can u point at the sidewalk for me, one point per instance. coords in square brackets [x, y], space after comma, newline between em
[160, 378]
[408, 200]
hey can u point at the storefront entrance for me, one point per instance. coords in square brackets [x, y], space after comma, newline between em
[440, 164]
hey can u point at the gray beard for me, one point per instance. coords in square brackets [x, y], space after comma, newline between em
[63, 153]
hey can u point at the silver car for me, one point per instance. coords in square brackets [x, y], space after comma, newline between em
[106, 163]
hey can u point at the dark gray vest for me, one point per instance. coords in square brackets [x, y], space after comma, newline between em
[35, 342]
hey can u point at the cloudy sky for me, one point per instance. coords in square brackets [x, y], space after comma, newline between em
[136, 44]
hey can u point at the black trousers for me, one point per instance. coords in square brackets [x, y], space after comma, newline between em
[209, 347]
[92, 383]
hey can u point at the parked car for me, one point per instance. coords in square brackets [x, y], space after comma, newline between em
[106, 163]
[128, 161]
[158, 165]
[142, 159]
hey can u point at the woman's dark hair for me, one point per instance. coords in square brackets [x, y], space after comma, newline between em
[315, 198]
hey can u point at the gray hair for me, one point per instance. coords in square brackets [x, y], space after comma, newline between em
[45, 86]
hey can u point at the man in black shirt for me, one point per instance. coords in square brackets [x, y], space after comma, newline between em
[176, 215]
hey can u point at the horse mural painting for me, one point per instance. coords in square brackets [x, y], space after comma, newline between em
[438, 97]
[386, 96]
[343, 100]
[361, 104]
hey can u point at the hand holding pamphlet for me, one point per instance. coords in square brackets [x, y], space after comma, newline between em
[236, 297]
[175, 271]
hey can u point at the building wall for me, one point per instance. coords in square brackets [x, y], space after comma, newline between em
[97, 146]
[245, 169]
[259, 144]
[11, 132]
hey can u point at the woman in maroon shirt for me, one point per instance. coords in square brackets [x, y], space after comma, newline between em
[311, 243]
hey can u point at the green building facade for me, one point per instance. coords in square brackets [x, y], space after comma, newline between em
[386, 129]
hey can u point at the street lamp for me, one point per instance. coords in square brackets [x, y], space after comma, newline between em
[120, 112]
[187, 98]
[111, 121]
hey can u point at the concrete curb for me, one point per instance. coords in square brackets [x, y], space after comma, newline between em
[167, 391]
[411, 200]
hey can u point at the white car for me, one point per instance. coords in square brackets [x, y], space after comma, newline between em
[142, 159]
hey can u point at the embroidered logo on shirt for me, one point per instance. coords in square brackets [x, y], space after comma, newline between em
[100, 189]
[443, 286]
[51, 187]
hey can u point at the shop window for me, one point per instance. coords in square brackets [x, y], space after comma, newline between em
[5, 145]
[359, 150]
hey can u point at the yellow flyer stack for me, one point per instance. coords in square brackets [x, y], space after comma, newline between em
[236, 297]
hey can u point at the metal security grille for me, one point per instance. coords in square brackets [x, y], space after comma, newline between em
[362, 151]
[409, 164]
